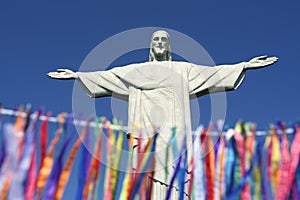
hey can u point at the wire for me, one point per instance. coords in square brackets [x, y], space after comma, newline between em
[55, 119]
[4, 111]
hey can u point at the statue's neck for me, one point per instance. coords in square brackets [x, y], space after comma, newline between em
[160, 58]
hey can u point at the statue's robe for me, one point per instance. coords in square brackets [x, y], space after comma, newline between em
[158, 95]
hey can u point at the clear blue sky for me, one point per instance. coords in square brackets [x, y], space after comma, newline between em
[40, 36]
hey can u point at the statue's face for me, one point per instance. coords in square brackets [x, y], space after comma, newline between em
[160, 43]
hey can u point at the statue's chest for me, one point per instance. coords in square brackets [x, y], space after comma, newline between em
[164, 74]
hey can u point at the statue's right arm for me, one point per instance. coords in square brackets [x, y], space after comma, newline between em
[64, 74]
[86, 80]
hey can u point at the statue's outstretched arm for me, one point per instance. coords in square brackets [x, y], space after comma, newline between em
[260, 62]
[65, 74]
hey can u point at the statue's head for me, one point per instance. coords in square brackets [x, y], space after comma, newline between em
[160, 48]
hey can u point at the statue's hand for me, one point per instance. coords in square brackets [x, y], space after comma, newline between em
[63, 74]
[260, 62]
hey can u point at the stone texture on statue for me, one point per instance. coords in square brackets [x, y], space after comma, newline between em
[158, 93]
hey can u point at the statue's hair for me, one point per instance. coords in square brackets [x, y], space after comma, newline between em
[151, 53]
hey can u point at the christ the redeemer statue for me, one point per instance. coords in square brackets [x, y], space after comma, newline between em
[159, 92]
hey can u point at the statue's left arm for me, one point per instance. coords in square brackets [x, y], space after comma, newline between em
[204, 80]
[260, 62]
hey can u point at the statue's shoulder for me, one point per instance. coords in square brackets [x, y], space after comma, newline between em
[129, 66]
[182, 64]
